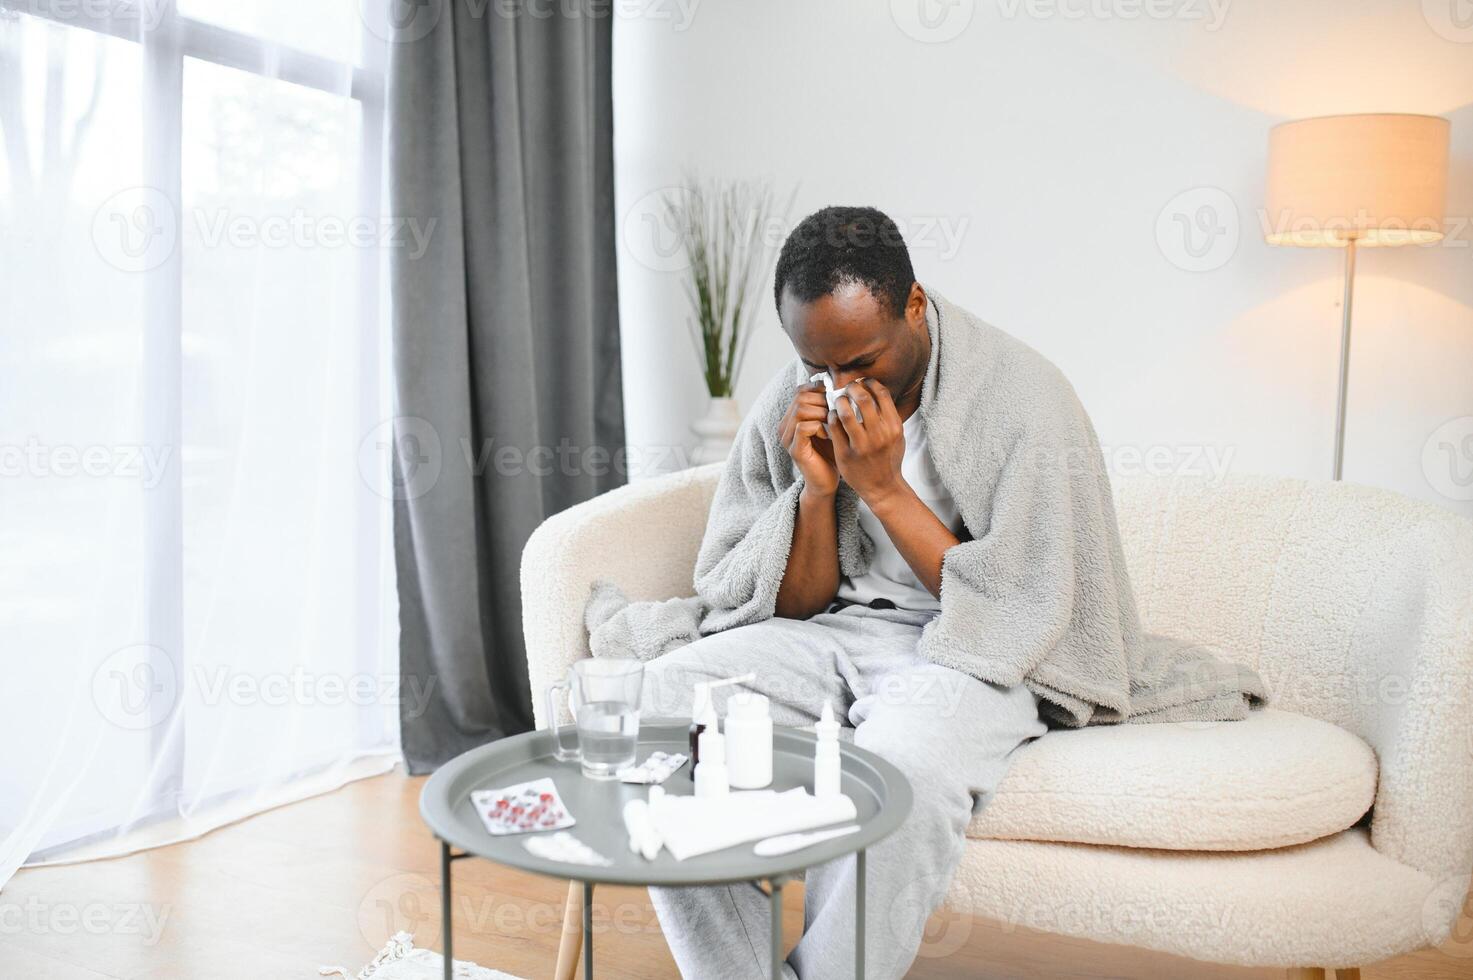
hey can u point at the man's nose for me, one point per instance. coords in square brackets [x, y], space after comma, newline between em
[842, 378]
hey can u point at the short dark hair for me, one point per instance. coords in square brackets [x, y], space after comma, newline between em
[841, 245]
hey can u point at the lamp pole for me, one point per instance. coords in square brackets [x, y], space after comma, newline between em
[1344, 355]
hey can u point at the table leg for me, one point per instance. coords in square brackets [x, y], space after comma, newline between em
[445, 907]
[776, 887]
[587, 930]
[859, 914]
[569, 950]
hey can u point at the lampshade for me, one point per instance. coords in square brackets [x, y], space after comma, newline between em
[1380, 179]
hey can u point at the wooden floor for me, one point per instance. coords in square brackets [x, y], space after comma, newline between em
[326, 881]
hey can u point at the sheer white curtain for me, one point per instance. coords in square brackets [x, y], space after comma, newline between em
[196, 579]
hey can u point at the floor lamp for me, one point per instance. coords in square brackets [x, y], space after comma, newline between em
[1355, 182]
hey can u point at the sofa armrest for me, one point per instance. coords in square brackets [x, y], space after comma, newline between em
[1417, 700]
[1353, 604]
[643, 537]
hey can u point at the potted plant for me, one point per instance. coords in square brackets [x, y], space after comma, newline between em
[723, 227]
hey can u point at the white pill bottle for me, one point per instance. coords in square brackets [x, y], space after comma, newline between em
[748, 741]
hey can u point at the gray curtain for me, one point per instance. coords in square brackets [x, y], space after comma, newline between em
[506, 341]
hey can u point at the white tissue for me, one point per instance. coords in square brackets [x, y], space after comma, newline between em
[691, 825]
[831, 394]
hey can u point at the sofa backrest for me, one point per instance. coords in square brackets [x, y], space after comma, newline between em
[1343, 597]
[1335, 593]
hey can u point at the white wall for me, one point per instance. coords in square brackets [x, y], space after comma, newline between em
[1038, 161]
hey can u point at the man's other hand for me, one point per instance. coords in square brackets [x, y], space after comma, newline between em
[803, 435]
[868, 454]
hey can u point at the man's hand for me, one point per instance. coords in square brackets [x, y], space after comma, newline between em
[802, 434]
[812, 576]
[868, 454]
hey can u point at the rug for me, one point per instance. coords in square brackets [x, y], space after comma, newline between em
[399, 960]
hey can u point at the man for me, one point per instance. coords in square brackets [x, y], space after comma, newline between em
[936, 555]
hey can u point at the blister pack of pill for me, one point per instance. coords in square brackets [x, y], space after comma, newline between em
[522, 808]
[656, 769]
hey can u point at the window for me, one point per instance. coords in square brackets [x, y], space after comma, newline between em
[196, 589]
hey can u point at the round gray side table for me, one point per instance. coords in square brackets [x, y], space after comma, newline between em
[880, 792]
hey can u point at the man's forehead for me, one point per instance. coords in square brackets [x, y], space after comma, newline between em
[848, 300]
[847, 319]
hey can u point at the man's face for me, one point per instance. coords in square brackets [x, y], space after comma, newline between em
[851, 335]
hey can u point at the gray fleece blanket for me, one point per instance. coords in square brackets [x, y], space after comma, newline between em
[1037, 593]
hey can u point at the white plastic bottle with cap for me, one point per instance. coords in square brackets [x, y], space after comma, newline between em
[748, 741]
[826, 754]
[703, 712]
[710, 774]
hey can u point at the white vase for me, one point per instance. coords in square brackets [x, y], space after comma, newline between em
[716, 430]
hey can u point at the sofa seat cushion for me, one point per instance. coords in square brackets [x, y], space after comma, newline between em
[1272, 779]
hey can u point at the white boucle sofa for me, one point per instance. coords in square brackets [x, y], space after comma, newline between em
[1333, 828]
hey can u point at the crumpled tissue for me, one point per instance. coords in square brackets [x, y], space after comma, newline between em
[831, 394]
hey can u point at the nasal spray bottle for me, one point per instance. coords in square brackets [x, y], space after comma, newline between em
[826, 755]
[710, 772]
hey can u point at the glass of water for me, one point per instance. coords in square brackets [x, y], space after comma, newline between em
[605, 705]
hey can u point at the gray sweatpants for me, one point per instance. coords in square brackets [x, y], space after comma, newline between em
[951, 734]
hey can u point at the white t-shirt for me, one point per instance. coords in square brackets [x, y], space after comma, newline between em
[890, 575]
